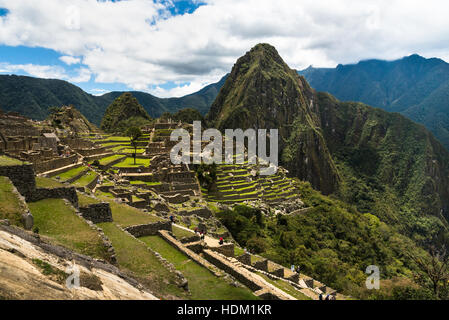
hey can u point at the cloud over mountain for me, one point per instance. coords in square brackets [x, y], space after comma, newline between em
[144, 45]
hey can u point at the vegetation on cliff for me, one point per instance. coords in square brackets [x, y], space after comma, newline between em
[123, 113]
[414, 86]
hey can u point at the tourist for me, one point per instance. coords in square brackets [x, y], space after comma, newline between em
[298, 269]
[221, 241]
[292, 268]
[321, 296]
[172, 219]
[327, 297]
[196, 230]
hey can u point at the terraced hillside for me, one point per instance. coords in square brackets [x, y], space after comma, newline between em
[239, 183]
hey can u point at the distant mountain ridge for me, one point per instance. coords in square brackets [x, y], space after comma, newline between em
[32, 97]
[381, 162]
[413, 86]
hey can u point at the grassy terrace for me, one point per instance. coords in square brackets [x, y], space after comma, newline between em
[108, 144]
[180, 233]
[71, 173]
[202, 283]
[7, 161]
[126, 216]
[57, 220]
[48, 183]
[85, 179]
[84, 201]
[108, 160]
[117, 138]
[129, 162]
[286, 287]
[147, 183]
[104, 195]
[9, 203]
[134, 256]
[131, 150]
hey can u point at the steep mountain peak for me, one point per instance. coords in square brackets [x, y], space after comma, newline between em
[123, 111]
[263, 56]
[262, 92]
[261, 83]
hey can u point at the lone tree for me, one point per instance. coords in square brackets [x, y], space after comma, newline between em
[435, 266]
[134, 133]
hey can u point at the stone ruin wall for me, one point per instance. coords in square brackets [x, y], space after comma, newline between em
[55, 163]
[97, 213]
[150, 229]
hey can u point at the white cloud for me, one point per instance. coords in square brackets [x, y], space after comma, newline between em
[46, 72]
[39, 71]
[139, 44]
[69, 60]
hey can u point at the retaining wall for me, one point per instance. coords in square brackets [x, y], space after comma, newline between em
[53, 164]
[98, 212]
[22, 176]
[150, 229]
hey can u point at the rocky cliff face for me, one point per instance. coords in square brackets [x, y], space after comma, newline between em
[382, 162]
[69, 117]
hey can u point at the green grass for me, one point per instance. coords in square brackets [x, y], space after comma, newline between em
[238, 251]
[102, 194]
[85, 179]
[126, 216]
[181, 233]
[202, 283]
[119, 148]
[134, 256]
[131, 150]
[117, 138]
[84, 201]
[136, 199]
[71, 173]
[48, 183]
[57, 220]
[286, 287]
[48, 270]
[108, 160]
[113, 144]
[129, 162]
[7, 161]
[147, 183]
[9, 203]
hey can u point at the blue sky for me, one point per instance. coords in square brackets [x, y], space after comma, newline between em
[24, 55]
[176, 47]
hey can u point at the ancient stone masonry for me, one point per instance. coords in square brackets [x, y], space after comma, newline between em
[92, 152]
[91, 185]
[150, 229]
[202, 212]
[189, 253]
[68, 193]
[78, 143]
[45, 166]
[97, 213]
[245, 258]
[225, 249]
[27, 218]
[22, 177]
